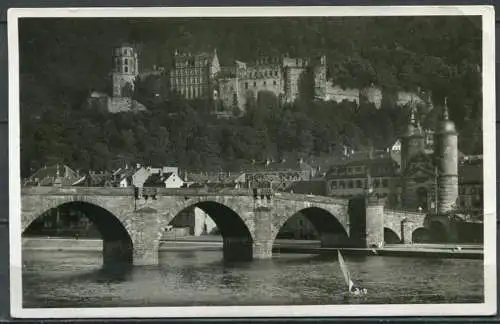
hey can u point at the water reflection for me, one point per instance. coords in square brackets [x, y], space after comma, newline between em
[184, 278]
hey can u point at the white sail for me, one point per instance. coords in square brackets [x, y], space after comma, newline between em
[345, 271]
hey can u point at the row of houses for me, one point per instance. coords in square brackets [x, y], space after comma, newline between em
[279, 174]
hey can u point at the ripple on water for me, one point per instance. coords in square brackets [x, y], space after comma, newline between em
[189, 278]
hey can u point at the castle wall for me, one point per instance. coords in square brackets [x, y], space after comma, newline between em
[337, 94]
[372, 95]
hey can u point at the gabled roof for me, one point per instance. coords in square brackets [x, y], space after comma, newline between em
[154, 180]
[46, 176]
[124, 173]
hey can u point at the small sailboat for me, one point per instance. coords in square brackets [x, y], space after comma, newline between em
[352, 289]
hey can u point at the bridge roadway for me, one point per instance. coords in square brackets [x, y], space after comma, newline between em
[131, 227]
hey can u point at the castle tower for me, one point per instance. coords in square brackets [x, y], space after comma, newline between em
[446, 154]
[412, 141]
[320, 78]
[412, 144]
[125, 70]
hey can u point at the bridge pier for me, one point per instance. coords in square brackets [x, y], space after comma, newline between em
[237, 249]
[146, 231]
[263, 241]
[263, 249]
[407, 229]
[374, 220]
[117, 253]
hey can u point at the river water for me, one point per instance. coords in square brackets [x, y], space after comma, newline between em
[195, 278]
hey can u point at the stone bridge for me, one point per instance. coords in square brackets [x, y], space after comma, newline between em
[131, 227]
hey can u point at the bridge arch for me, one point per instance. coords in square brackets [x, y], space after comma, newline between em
[117, 241]
[391, 236]
[235, 225]
[420, 235]
[327, 220]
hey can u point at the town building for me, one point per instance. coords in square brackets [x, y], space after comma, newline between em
[55, 175]
[352, 176]
[420, 173]
[278, 174]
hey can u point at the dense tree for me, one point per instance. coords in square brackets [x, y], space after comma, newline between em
[62, 60]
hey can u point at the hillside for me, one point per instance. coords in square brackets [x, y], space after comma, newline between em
[62, 60]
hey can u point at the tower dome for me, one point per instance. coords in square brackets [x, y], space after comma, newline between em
[445, 125]
[412, 140]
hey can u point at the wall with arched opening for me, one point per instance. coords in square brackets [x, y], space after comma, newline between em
[237, 238]
[421, 235]
[298, 227]
[330, 230]
[117, 242]
[391, 237]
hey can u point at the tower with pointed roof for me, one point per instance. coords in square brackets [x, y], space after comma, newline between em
[446, 159]
[413, 139]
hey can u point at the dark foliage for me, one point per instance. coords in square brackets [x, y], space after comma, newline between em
[62, 60]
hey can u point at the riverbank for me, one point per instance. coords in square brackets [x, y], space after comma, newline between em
[214, 243]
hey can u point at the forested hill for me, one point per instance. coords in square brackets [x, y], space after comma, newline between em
[63, 60]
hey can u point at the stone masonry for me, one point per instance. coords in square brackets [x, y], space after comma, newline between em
[255, 223]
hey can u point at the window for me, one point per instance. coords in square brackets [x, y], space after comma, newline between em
[274, 82]
[358, 169]
[264, 83]
[125, 69]
[275, 73]
[333, 185]
[351, 184]
[125, 61]
[254, 84]
[359, 184]
[385, 183]
[246, 85]
[376, 183]
[341, 184]
[349, 170]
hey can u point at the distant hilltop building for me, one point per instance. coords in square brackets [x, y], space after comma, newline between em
[200, 76]
[193, 76]
[125, 71]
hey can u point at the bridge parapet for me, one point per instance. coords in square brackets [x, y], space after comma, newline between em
[80, 191]
[408, 216]
[129, 191]
[312, 198]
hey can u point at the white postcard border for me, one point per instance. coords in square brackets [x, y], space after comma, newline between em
[489, 156]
